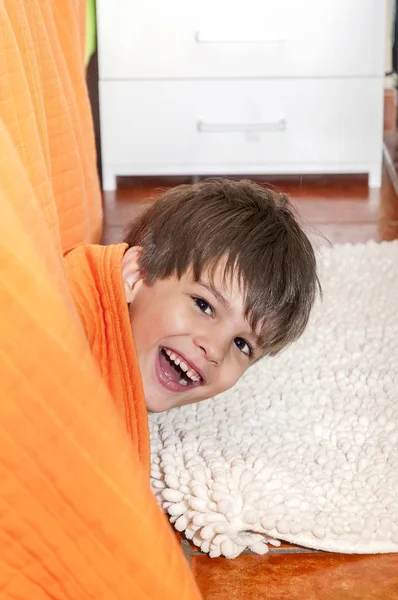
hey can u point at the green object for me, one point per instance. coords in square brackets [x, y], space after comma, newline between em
[91, 30]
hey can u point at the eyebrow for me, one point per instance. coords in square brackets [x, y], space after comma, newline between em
[218, 295]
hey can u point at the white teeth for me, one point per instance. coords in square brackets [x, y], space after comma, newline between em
[183, 381]
[174, 358]
[183, 366]
[192, 375]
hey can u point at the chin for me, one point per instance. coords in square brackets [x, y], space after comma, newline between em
[155, 409]
[158, 405]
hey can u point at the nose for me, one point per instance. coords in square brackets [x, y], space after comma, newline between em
[212, 346]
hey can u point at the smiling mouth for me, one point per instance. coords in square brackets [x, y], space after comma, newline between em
[175, 373]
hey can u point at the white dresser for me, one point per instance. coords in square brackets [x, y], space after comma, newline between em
[220, 87]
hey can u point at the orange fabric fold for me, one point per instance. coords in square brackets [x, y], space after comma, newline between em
[95, 280]
[78, 519]
[44, 104]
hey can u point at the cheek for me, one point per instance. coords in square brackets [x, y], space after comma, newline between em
[231, 373]
[156, 316]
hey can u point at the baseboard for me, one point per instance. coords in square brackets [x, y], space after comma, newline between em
[390, 166]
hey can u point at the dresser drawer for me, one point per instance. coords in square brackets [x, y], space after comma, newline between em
[240, 126]
[257, 38]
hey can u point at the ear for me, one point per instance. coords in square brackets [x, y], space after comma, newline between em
[131, 272]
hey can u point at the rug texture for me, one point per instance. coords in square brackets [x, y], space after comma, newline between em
[305, 447]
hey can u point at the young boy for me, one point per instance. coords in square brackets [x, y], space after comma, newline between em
[211, 277]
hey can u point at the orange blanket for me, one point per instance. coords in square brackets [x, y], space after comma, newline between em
[95, 280]
[78, 520]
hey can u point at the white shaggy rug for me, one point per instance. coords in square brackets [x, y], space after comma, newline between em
[305, 447]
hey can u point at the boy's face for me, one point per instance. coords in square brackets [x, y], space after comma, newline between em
[191, 338]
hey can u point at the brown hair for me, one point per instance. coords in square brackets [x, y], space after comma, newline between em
[255, 230]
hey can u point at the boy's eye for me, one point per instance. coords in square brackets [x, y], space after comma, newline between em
[243, 346]
[204, 306]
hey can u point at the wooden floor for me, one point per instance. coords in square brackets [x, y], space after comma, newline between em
[334, 209]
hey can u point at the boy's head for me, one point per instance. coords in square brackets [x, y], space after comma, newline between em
[218, 274]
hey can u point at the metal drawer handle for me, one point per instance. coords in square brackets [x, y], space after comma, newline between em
[204, 127]
[203, 37]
